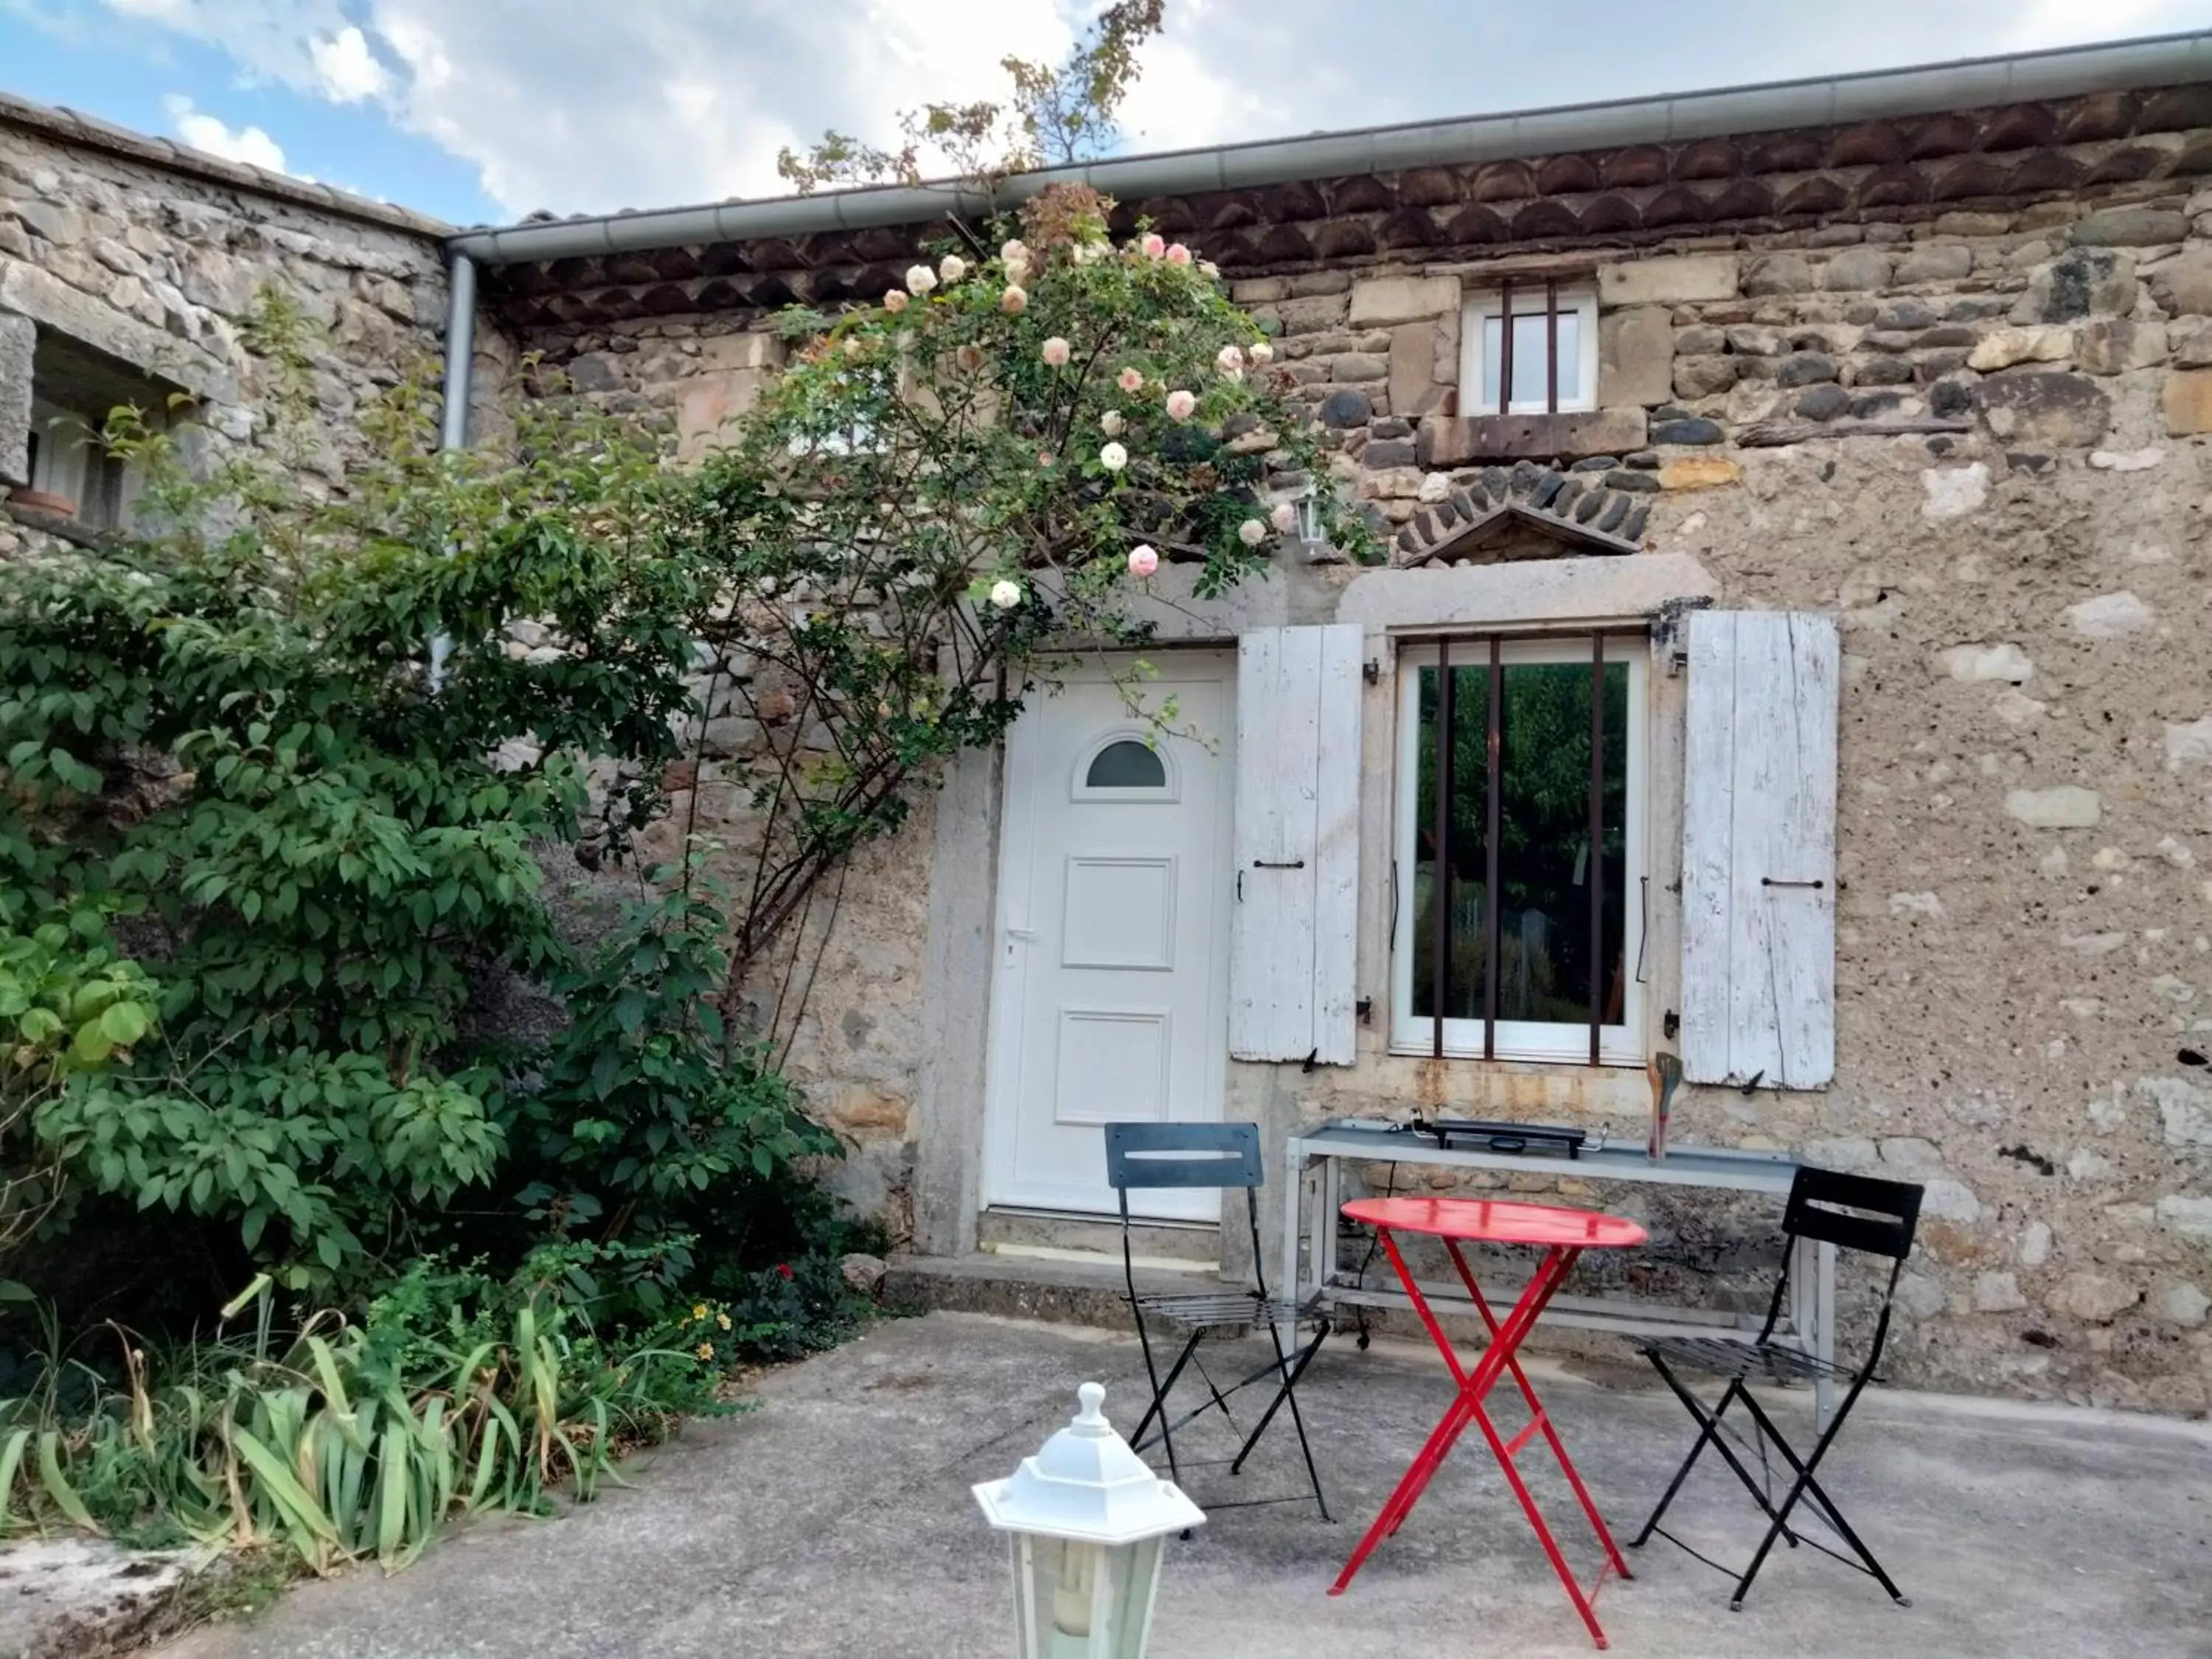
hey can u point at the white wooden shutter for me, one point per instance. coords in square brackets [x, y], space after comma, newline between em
[1759, 849]
[1292, 943]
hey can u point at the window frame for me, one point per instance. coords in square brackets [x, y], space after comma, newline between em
[1528, 298]
[1622, 1044]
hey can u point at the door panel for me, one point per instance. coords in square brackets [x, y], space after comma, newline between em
[1110, 997]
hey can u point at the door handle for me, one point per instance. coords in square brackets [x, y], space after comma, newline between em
[1025, 934]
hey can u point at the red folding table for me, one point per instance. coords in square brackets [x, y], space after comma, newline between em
[1563, 1234]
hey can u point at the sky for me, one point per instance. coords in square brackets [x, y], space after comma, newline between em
[482, 110]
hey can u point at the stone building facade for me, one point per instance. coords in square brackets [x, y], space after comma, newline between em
[1943, 375]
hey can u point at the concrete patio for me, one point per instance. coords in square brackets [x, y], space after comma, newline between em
[836, 1521]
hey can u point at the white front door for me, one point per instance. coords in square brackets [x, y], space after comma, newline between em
[1110, 1003]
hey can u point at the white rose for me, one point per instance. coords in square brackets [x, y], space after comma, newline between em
[1113, 458]
[919, 279]
[1251, 533]
[1284, 517]
[1111, 424]
[1005, 594]
[1229, 360]
[1261, 352]
[952, 267]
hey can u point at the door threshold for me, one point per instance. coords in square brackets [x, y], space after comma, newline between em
[1099, 1218]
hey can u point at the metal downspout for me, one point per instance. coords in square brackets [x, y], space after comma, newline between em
[453, 425]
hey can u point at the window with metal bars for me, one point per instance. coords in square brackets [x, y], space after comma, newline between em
[1529, 348]
[1518, 920]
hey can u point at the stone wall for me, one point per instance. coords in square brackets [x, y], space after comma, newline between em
[149, 259]
[1978, 437]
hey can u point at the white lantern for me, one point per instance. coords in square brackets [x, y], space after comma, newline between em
[1087, 1521]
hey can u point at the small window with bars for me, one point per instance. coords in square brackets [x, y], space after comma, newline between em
[1518, 920]
[1528, 348]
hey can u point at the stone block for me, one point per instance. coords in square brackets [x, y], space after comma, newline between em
[707, 406]
[2096, 1298]
[1702, 376]
[2187, 404]
[1380, 301]
[1936, 262]
[750, 349]
[1779, 275]
[1357, 368]
[2189, 341]
[1976, 663]
[2046, 411]
[1344, 410]
[1450, 440]
[2085, 282]
[1699, 472]
[1755, 340]
[1636, 357]
[2130, 227]
[1414, 390]
[1856, 269]
[2183, 286]
[1687, 429]
[595, 371]
[1679, 280]
[2002, 347]
[2109, 346]
[17, 337]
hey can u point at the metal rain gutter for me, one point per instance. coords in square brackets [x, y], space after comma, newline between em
[2063, 72]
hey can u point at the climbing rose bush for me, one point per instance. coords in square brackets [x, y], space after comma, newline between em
[949, 491]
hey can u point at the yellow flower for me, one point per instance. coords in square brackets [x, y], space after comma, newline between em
[705, 1350]
[723, 1320]
[700, 1311]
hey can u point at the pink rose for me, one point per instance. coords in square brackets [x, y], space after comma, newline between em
[1229, 359]
[968, 357]
[1143, 561]
[1055, 352]
[1044, 458]
[1284, 517]
[1013, 302]
[1154, 244]
[1130, 380]
[1181, 405]
[1178, 254]
[895, 300]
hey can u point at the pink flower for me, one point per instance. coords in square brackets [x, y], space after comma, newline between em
[1262, 352]
[1014, 301]
[1284, 517]
[1014, 252]
[1229, 359]
[1181, 405]
[1178, 254]
[968, 357]
[1055, 352]
[1251, 533]
[1143, 561]
[1130, 380]
[895, 300]
[1044, 458]
[1154, 244]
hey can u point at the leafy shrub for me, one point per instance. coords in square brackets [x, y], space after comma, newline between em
[455, 1394]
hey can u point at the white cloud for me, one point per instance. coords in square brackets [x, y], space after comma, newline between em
[594, 105]
[204, 132]
[350, 71]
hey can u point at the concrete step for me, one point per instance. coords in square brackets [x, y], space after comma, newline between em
[1056, 1290]
[1015, 1231]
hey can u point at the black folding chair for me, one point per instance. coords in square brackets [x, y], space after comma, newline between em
[1854, 1212]
[1222, 1156]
